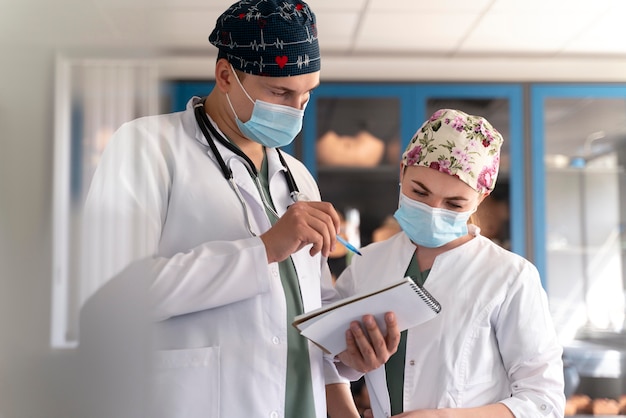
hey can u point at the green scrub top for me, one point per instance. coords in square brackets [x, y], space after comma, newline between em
[299, 401]
[394, 368]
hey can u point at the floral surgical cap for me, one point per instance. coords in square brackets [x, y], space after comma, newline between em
[458, 144]
[275, 38]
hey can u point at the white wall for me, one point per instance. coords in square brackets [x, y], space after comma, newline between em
[32, 377]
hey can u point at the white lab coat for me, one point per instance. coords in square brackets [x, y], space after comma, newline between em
[493, 340]
[159, 195]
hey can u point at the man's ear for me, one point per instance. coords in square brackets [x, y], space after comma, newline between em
[223, 75]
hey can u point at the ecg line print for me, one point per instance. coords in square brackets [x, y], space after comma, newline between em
[286, 12]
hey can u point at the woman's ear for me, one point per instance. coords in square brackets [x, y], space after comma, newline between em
[223, 74]
[482, 197]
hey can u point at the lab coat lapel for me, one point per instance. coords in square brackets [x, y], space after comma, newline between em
[278, 185]
[259, 221]
[307, 267]
[240, 173]
[250, 193]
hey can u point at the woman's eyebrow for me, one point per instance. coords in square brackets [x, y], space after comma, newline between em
[423, 186]
[420, 184]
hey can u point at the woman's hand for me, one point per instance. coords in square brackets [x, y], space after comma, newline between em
[367, 349]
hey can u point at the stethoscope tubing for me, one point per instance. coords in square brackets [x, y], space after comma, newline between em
[209, 132]
[295, 194]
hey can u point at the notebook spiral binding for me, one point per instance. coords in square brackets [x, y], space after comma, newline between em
[426, 297]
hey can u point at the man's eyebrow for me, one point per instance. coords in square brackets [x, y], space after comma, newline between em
[288, 90]
[282, 88]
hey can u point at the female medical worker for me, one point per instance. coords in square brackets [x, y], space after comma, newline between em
[492, 351]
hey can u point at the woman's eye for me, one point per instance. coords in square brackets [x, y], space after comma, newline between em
[419, 193]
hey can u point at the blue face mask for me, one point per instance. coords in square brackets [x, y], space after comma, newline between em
[430, 227]
[270, 125]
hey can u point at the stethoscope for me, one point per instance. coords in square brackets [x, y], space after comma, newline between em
[209, 132]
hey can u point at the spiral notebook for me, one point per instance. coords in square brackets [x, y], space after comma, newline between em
[326, 326]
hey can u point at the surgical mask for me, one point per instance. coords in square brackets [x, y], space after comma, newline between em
[270, 125]
[430, 227]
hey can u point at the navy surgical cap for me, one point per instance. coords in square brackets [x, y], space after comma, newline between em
[275, 38]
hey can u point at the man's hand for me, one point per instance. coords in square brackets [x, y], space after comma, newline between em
[304, 223]
[368, 349]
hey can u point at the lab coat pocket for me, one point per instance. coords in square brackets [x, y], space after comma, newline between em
[187, 383]
[480, 357]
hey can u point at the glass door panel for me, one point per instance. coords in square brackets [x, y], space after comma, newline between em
[584, 187]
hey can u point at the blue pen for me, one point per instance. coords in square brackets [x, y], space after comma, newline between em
[348, 245]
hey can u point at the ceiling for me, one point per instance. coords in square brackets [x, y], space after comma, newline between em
[447, 28]
[466, 40]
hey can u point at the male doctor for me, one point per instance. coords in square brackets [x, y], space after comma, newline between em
[233, 232]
